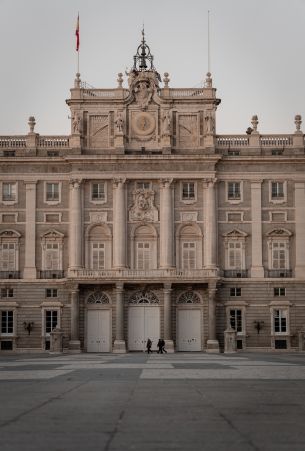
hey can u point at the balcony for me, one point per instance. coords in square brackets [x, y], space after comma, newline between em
[149, 275]
[236, 273]
[52, 274]
[278, 273]
[9, 274]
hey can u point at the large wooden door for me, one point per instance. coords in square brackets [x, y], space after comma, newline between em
[143, 323]
[98, 331]
[189, 330]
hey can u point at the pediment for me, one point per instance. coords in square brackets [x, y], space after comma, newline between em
[235, 233]
[279, 232]
[52, 234]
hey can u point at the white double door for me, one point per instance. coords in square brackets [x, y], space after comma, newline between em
[189, 330]
[98, 331]
[143, 323]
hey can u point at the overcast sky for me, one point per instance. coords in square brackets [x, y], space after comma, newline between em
[257, 56]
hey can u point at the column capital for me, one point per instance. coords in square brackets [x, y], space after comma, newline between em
[30, 182]
[75, 183]
[256, 181]
[119, 182]
[119, 287]
[209, 182]
[167, 288]
[165, 183]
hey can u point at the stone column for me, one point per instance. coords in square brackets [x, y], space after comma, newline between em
[30, 271]
[119, 346]
[212, 343]
[75, 228]
[169, 344]
[210, 224]
[74, 343]
[119, 224]
[257, 269]
[166, 224]
[299, 229]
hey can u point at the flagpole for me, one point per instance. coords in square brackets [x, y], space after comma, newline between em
[77, 41]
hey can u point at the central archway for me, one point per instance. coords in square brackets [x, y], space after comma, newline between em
[143, 320]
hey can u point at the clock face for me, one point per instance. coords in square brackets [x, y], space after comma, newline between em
[143, 124]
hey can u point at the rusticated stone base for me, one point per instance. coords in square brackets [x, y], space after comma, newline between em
[212, 347]
[74, 346]
[119, 347]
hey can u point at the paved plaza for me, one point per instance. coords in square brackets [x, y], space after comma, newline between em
[179, 401]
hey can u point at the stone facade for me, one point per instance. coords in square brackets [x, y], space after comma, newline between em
[146, 223]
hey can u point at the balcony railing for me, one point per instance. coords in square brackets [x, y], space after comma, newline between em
[133, 274]
[9, 274]
[278, 273]
[236, 273]
[51, 274]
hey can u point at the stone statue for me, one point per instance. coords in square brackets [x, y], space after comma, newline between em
[119, 122]
[166, 123]
[210, 122]
[76, 123]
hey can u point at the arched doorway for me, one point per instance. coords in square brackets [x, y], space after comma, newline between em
[189, 322]
[143, 320]
[98, 323]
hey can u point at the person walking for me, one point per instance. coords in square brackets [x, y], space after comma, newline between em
[163, 346]
[148, 345]
[160, 346]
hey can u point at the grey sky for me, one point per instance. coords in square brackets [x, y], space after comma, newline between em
[257, 56]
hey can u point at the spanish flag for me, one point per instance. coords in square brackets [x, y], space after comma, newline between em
[77, 34]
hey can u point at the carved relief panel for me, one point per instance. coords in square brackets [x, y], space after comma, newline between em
[143, 208]
[99, 131]
[188, 132]
[143, 128]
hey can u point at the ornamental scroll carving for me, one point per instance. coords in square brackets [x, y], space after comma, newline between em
[143, 297]
[143, 208]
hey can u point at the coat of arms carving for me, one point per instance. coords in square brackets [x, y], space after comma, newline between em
[143, 208]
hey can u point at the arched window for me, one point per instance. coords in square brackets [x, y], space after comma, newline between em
[189, 297]
[98, 254]
[98, 297]
[145, 247]
[189, 247]
[143, 297]
[9, 251]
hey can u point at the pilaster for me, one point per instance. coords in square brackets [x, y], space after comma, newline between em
[210, 224]
[257, 269]
[74, 343]
[119, 345]
[299, 229]
[166, 224]
[212, 343]
[30, 271]
[119, 223]
[169, 344]
[75, 228]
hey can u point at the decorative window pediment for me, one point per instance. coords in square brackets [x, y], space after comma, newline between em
[235, 233]
[52, 234]
[279, 233]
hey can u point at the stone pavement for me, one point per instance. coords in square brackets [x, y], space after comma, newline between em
[182, 401]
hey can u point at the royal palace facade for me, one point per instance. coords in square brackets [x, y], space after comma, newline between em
[143, 222]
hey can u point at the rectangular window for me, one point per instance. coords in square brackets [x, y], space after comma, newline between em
[51, 292]
[234, 255]
[233, 153]
[234, 190]
[52, 256]
[143, 255]
[236, 319]
[7, 292]
[280, 321]
[9, 153]
[52, 193]
[7, 257]
[188, 191]
[52, 153]
[277, 190]
[236, 291]
[98, 256]
[50, 320]
[189, 255]
[9, 191]
[279, 255]
[279, 291]
[98, 191]
[7, 322]
[143, 185]
[277, 152]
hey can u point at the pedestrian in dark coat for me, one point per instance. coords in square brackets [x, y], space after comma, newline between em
[160, 346]
[163, 346]
[148, 345]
